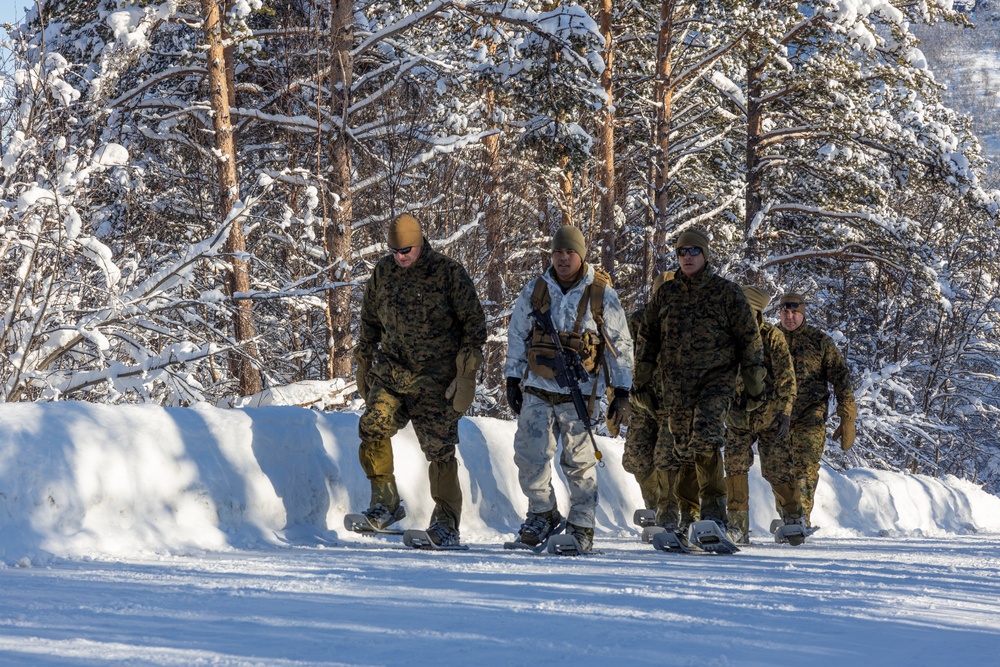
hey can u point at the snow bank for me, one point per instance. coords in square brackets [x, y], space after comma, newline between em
[80, 480]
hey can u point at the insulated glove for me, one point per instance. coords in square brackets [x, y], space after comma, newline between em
[642, 387]
[462, 389]
[361, 376]
[645, 399]
[846, 432]
[514, 396]
[748, 404]
[753, 387]
[780, 426]
[619, 411]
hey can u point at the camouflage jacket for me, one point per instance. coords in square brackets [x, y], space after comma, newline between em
[420, 317]
[818, 362]
[779, 382]
[698, 332]
[563, 308]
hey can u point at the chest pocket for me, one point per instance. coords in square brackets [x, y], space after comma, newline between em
[587, 344]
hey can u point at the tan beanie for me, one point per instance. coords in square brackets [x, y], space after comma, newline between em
[758, 298]
[404, 232]
[794, 297]
[694, 237]
[569, 237]
[662, 278]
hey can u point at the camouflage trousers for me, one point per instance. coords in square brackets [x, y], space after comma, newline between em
[540, 428]
[690, 441]
[658, 484]
[808, 440]
[775, 462]
[436, 425]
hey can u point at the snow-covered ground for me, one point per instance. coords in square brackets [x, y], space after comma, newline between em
[142, 535]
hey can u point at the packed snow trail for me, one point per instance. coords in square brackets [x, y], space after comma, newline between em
[371, 601]
[143, 535]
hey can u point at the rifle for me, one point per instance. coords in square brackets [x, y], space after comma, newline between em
[569, 373]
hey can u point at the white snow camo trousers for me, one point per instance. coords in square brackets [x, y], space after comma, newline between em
[540, 427]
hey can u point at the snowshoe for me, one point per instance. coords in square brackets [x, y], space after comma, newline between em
[710, 535]
[649, 531]
[380, 516]
[437, 537]
[792, 532]
[577, 541]
[360, 523]
[644, 518]
[669, 541]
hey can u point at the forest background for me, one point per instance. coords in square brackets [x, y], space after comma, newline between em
[192, 193]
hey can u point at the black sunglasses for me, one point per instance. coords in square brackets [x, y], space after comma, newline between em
[694, 251]
[790, 305]
[401, 251]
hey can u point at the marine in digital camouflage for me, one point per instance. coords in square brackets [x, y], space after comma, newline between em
[419, 318]
[818, 364]
[640, 440]
[746, 427]
[699, 331]
[414, 323]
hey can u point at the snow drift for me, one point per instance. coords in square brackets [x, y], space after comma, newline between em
[80, 480]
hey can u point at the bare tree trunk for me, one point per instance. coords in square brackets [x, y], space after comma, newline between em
[606, 160]
[663, 92]
[755, 125]
[496, 246]
[338, 204]
[241, 362]
[543, 215]
[566, 189]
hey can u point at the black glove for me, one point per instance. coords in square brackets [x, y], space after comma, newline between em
[619, 409]
[779, 426]
[514, 396]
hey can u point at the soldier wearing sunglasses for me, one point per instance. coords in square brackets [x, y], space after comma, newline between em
[818, 364]
[698, 333]
[421, 341]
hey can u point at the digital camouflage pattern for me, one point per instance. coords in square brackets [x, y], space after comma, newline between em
[564, 308]
[699, 331]
[414, 323]
[747, 427]
[419, 318]
[818, 364]
[657, 484]
[640, 440]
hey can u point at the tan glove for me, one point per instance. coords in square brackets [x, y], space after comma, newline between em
[462, 389]
[753, 386]
[846, 432]
[361, 376]
[642, 387]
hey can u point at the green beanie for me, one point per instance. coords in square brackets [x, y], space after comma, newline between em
[569, 237]
[758, 298]
[694, 237]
